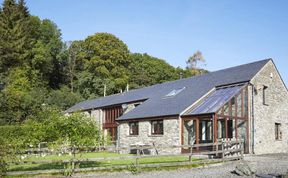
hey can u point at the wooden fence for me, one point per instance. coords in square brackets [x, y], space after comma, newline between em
[222, 151]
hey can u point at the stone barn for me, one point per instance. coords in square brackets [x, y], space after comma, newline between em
[247, 102]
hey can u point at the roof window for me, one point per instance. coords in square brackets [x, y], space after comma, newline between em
[174, 92]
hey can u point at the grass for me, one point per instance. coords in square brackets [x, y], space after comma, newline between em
[68, 157]
[30, 166]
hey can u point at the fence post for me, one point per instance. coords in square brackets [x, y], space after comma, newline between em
[242, 149]
[223, 151]
[217, 148]
[137, 163]
[190, 156]
[73, 159]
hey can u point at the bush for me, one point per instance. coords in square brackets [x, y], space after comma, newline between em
[53, 127]
[4, 157]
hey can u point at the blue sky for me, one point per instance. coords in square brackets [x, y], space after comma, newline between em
[228, 32]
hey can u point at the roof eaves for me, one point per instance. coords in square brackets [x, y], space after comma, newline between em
[145, 118]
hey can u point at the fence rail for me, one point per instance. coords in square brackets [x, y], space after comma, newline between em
[221, 151]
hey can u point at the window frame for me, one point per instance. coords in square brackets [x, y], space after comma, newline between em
[159, 129]
[174, 92]
[264, 95]
[278, 132]
[134, 128]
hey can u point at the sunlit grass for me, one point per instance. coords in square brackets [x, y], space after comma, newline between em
[30, 166]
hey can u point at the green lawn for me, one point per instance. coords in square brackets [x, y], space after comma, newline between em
[44, 166]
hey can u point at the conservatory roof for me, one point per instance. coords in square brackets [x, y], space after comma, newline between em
[216, 100]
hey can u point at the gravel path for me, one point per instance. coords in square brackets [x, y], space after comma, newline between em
[264, 164]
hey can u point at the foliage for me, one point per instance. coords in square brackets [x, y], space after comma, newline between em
[4, 156]
[52, 127]
[63, 98]
[14, 34]
[70, 167]
[193, 60]
[20, 98]
[133, 169]
[102, 60]
[73, 63]
[37, 69]
[146, 70]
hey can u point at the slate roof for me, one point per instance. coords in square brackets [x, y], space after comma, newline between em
[157, 104]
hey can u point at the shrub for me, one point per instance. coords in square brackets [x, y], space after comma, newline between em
[53, 127]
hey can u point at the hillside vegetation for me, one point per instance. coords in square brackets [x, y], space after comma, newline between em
[38, 69]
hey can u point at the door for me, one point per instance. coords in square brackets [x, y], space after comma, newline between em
[206, 131]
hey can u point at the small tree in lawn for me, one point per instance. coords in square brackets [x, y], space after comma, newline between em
[78, 131]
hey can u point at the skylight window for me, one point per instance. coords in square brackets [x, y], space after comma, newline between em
[174, 92]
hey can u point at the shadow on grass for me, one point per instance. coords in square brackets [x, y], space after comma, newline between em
[91, 164]
[48, 166]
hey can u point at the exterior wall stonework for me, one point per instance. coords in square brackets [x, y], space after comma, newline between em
[171, 136]
[97, 116]
[275, 111]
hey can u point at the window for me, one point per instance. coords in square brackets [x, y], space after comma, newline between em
[206, 132]
[157, 127]
[175, 92]
[278, 133]
[133, 128]
[264, 95]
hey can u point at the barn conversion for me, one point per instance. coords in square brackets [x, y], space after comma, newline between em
[248, 102]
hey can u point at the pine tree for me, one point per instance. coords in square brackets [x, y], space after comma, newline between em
[14, 34]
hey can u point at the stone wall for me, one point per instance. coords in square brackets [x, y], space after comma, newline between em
[276, 111]
[98, 116]
[171, 135]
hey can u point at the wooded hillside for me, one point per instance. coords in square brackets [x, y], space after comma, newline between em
[39, 70]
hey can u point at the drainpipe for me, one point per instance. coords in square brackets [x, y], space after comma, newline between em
[253, 119]
[213, 122]
[118, 136]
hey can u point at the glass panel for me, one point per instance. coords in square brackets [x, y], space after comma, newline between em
[157, 127]
[239, 105]
[221, 129]
[206, 131]
[226, 109]
[245, 102]
[189, 134]
[209, 130]
[220, 112]
[161, 127]
[230, 128]
[203, 131]
[133, 128]
[175, 92]
[233, 104]
[241, 126]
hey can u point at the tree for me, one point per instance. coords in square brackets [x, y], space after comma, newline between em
[100, 60]
[63, 98]
[21, 96]
[193, 60]
[46, 54]
[74, 64]
[192, 63]
[27, 41]
[146, 70]
[14, 34]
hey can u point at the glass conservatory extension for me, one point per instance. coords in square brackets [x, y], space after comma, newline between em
[221, 115]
